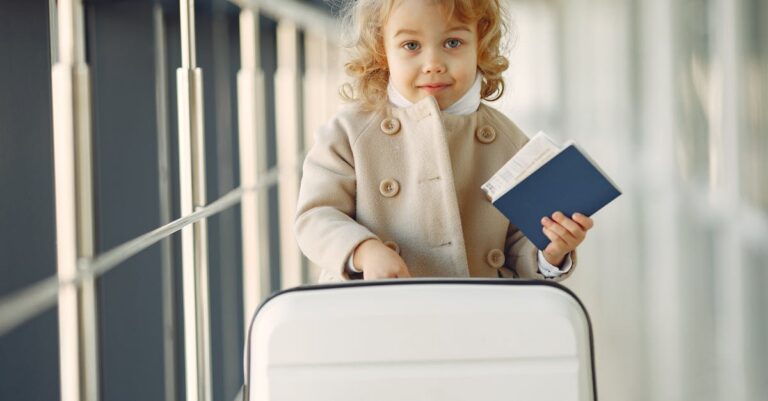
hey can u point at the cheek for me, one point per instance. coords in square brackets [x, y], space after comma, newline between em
[469, 65]
[401, 71]
[465, 72]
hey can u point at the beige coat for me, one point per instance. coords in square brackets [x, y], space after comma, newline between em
[411, 177]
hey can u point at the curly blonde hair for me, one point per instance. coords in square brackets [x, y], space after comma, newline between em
[363, 22]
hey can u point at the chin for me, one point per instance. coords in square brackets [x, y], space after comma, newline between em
[444, 104]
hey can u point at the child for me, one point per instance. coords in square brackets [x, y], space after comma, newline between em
[391, 187]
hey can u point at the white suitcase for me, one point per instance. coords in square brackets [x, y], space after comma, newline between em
[421, 339]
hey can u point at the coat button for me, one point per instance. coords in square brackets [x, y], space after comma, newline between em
[485, 134]
[389, 187]
[390, 125]
[392, 245]
[495, 258]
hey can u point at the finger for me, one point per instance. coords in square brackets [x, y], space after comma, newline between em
[573, 227]
[583, 221]
[378, 275]
[402, 268]
[557, 244]
[558, 229]
[555, 250]
[394, 271]
[370, 276]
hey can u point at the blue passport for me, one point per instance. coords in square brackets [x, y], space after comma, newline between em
[569, 182]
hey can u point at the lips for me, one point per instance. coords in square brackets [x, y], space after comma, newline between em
[433, 87]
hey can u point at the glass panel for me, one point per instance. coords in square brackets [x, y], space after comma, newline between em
[531, 84]
[693, 69]
[697, 238]
[754, 142]
[757, 322]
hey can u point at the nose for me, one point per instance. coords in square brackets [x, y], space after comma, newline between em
[433, 63]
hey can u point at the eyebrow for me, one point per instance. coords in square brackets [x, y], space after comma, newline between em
[414, 32]
[404, 31]
[460, 28]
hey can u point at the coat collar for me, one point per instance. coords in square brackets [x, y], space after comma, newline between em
[428, 107]
[468, 103]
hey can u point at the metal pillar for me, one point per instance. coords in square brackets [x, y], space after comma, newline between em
[287, 95]
[253, 163]
[194, 239]
[78, 340]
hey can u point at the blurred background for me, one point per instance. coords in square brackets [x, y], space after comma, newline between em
[668, 96]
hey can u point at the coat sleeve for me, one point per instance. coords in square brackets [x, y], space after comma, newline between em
[522, 257]
[325, 226]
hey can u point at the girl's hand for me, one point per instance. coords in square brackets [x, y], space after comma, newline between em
[377, 261]
[565, 234]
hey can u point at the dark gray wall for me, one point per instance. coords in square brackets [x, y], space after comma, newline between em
[121, 45]
[120, 51]
[29, 355]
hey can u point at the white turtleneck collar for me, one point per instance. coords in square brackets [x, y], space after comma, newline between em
[468, 103]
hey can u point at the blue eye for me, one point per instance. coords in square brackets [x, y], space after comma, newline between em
[411, 46]
[452, 43]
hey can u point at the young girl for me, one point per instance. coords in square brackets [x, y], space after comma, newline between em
[391, 187]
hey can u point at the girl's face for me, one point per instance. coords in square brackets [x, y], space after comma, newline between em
[429, 55]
